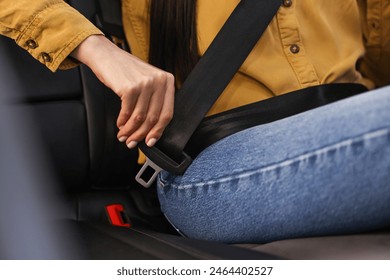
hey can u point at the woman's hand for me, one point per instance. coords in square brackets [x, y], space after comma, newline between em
[146, 92]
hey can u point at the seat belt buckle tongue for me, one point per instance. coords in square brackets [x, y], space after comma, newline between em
[145, 179]
[157, 161]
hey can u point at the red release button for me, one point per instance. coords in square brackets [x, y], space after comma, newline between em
[116, 215]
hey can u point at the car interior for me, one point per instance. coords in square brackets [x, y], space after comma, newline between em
[66, 165]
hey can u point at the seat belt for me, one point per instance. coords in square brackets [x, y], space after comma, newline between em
[205, 83]
[189, 132]
[109, 19]
[216, 127]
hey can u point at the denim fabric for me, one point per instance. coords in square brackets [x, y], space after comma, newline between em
[322, 172]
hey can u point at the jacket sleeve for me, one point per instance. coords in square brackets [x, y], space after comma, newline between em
[375, 19]
[48, 29]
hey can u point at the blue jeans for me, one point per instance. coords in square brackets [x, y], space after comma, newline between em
[322, 172]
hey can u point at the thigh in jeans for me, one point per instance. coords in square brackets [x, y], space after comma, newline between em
[325, 171]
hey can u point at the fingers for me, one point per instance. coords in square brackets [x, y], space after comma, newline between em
[134, 112]
[146, 111]
[127, 107]
[165, 117]
[138, 128]
[146, 92]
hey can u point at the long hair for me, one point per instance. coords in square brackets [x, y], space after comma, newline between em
[173, 37]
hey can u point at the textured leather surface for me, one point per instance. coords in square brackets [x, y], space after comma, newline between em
[39, 83]
[64, 129]
[369, 246]
[76, 118]
[113, 165]
[55, 103]
[128, 242]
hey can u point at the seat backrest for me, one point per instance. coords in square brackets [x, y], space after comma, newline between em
[76, 116]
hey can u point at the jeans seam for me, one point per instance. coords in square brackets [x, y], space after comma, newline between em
[287, 162]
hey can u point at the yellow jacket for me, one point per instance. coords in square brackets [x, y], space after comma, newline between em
[309, 42]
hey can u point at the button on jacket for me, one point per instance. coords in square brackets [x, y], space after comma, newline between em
[48, 29]
[307, 43]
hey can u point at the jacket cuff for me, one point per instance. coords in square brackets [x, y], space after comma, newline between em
[54, 33]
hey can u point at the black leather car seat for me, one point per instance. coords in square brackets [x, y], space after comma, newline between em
[75, 116]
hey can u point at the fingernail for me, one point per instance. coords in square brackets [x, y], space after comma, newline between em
[121, 126]
[122, 139]
[132, 144]
[151, 142]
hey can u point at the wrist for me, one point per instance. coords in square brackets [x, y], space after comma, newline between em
[89, 49]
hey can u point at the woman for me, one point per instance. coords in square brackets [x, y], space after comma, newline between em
[322, 172]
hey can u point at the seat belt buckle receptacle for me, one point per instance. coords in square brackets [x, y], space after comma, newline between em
[117, 216]
[157, 161]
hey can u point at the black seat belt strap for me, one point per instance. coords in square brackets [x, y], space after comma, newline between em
[109, 20]
[206, 82]
[216, 127]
